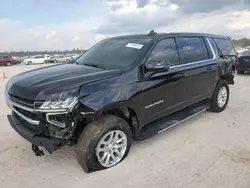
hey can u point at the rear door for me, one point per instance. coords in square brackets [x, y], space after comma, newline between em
[198, 66]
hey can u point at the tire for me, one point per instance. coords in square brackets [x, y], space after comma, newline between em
[240, 72]
[8, 63]
[29, 63]
[92, 135]
[215, 105]
[55, 61]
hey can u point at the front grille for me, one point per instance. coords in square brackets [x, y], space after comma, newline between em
[22, 101]
[28, 114]
[33, 128]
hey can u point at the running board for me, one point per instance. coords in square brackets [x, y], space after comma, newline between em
[172, 120]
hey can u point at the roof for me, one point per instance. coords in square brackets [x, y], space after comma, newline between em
[171, 34]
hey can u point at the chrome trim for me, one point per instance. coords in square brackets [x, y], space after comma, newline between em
[197, 62]
[213, 52]
[156, 103]
[193, 63]
[36, 110]
[57, 124]
[87, 113]
[25, 118]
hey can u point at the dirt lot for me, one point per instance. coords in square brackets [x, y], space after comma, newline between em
[208, 151]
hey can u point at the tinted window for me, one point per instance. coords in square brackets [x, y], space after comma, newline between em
[225, 46]
[165, 50]
[118, 53]
[192, 49]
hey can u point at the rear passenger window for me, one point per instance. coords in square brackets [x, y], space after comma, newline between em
[192, 49]
[165, 50]
[225, 46]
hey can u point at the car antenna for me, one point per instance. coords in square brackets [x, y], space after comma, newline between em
[152, 33]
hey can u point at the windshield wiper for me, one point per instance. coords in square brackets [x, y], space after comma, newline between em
[94, 65]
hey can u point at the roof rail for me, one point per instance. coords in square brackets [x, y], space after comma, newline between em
[152, 33]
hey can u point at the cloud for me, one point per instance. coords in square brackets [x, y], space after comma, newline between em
[50, 35]
[140, 16]
[17, 36]
[227, 17]
[129, 18]
[76, 38]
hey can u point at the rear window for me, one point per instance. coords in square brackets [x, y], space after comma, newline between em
[225, 46]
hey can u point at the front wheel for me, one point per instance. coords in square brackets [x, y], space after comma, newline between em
[220, 97]
[103, 143]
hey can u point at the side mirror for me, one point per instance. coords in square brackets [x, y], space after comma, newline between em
[158, 66]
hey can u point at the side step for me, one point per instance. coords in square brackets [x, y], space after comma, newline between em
[172, 120]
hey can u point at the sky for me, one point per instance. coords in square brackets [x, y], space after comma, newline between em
[67, 24]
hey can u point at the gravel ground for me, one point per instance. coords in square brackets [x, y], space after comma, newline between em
[208, 151]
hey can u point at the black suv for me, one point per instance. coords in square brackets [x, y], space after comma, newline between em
[123, 88]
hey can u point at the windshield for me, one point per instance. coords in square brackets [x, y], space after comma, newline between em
[114, 53]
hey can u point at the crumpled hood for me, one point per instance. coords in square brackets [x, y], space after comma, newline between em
[41, 84]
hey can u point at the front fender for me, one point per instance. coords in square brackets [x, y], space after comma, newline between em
[105, 100]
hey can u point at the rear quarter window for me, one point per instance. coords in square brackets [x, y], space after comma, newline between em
[225, 46]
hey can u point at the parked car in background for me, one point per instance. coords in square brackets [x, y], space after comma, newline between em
[243, 63]
[62, 58]
[52, 59]
[37, 59]
[8, 60]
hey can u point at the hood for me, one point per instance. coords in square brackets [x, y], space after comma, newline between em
[46, 83]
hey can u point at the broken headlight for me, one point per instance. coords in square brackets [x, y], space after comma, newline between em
[60, 104]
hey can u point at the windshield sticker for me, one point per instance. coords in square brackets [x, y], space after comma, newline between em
[134, 45]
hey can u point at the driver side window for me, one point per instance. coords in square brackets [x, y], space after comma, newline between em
[165, 50]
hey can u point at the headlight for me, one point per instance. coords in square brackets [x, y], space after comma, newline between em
[61, 104]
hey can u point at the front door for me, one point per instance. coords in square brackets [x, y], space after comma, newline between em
[164, 92]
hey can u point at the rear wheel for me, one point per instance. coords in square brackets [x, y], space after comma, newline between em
[29, 63]
[220, 97]
[103, 143]
[240, 72]
[8, 63]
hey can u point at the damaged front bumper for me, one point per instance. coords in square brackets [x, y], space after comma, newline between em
[50, 144]
[37, 127]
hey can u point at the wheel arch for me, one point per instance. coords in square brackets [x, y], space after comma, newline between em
[123, 110]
